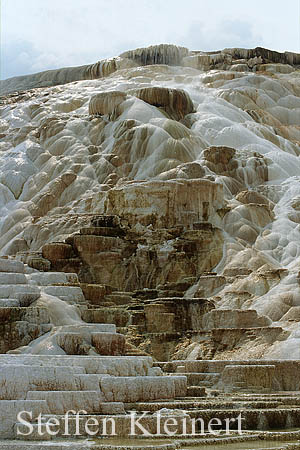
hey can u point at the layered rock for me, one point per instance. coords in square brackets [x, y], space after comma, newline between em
[176, 103]
[106, 102]
[174, 167]
[156, 212]
[156, 54]
[166, 204]
[98, 385]
[108, 255]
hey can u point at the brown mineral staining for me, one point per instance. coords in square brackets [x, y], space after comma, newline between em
[176, 102]
[106, 102]
[150, 208]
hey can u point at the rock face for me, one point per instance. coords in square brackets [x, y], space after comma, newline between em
[151, 209]
[166, 204]
[222, 318]
[100, 385]
[188, 184]
[157, 54]
[135, 257]
[105, 102]
[176, 103]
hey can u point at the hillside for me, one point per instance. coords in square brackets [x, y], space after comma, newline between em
[194, 159]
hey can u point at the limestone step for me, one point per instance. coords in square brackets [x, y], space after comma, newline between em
[7, 278]
[10, 291]
[180, 286]
[43, 444]
[119, 298]
[53, 278]
[112, 388]
[268, 399]
[26, 298]
[32, 315]
[121, 424]
[59, 402]
[38, 432]
[65, 265]
[141, 443]
[252, 420]
[196, 391]
[70, 294]
[12, 408]
[105, 221]
[107, 328]
[146, 294]
[135, 389]
[111, 344]
[8, 265]
[170, 294]
[206, 402]
[201, 379]
[131, 350]
[9, 303]
[138, 318]
[102, 231]
[120, 316]
[218, 366]
[115, 366]
[135, 353]
[124, 293]
[74, 338]
[194, 366]
[30, 270]
[95, 293]
[253, 389]
[87, 382]
[14, 387]
[91, 244]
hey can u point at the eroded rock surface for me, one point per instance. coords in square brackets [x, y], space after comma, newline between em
[161, 173]
[149, 205]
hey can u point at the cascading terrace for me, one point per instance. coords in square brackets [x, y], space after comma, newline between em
[149, 252]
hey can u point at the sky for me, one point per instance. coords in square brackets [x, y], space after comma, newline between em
[38, 35]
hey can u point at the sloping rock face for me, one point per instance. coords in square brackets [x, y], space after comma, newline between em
[157, 54]
[137, 261]
[168, 204]
[159, 174]
[105, 102]
[176, 103]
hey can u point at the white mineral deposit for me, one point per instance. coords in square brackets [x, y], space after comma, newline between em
[150, 252]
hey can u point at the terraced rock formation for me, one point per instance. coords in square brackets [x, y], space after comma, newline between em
[150, 245]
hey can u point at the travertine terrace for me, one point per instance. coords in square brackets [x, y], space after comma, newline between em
[150, 246]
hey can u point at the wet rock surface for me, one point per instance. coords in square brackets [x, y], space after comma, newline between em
[149, 211]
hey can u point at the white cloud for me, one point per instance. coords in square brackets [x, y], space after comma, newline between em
[42, 34]
[227, 33]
